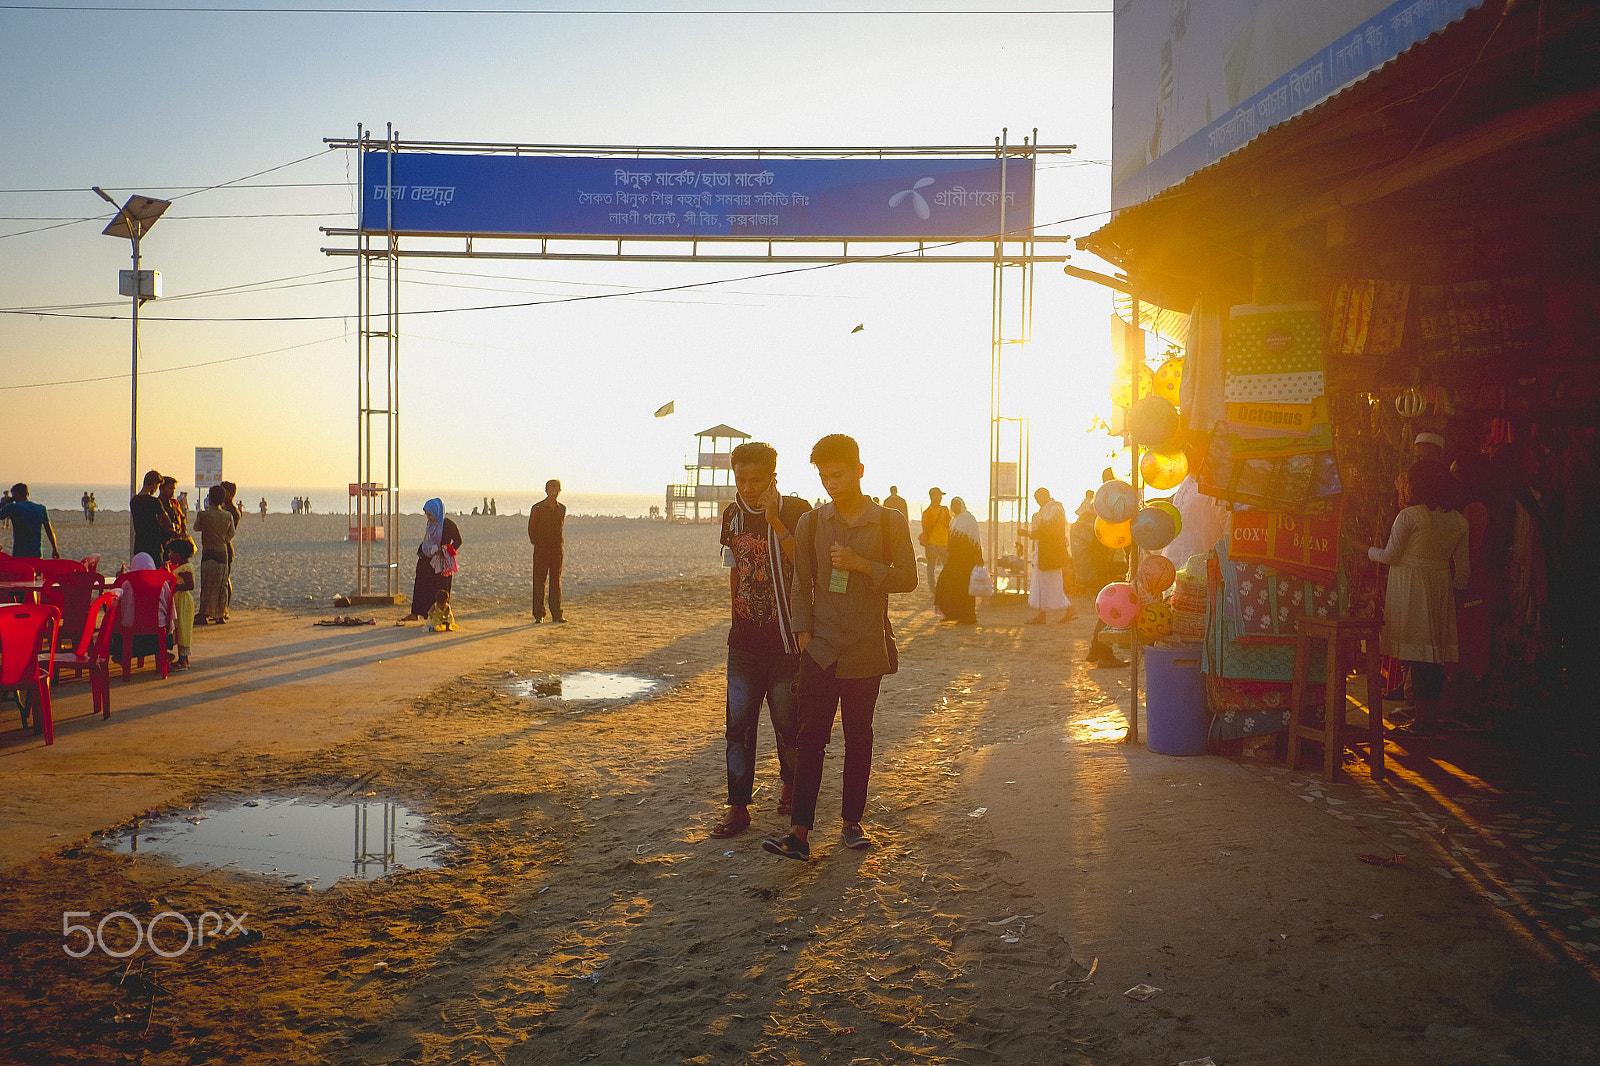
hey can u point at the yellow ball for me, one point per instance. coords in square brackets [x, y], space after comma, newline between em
[1161, 471]
[1154, 621]
[1122, 384]
[1113, 535]
[1169, 375]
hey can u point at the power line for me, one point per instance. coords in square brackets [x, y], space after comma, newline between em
[169, 369]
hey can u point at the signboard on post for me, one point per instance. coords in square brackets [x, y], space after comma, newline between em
[207, 472]
[574, 196]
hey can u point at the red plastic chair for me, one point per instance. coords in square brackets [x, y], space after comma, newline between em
[24, 628]
[14, 569]
[71, 592]
[49, 568]
[151, 592]
[93, 651]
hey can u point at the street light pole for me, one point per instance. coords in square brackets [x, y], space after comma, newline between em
[133, 221]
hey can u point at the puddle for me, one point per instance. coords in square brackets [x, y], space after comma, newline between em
[585, 685]
[307, 841]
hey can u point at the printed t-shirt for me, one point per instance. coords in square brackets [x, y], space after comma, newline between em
[756, 622]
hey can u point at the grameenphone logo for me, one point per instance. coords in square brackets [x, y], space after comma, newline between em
[918, 203]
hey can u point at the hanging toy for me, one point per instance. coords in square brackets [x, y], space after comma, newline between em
[1169, 375]
[1115, 501]
[1114, 535]
[1117, 604]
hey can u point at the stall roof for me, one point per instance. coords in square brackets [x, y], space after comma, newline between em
[1492, 122]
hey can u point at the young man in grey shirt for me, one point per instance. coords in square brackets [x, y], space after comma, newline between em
[851, 554]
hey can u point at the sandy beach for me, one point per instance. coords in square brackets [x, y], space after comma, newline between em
[1030, 869]
[293, 562]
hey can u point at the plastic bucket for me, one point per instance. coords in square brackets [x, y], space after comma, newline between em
[1175, 700]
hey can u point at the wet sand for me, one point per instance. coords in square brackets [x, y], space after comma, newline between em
[1030, 867]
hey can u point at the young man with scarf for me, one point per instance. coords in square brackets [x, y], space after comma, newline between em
[851, 554]
[763, 653]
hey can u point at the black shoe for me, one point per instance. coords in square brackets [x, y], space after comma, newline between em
[789, 846]
[852, 836]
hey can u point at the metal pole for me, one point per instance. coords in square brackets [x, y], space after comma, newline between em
[133, 420]
[1136, 363]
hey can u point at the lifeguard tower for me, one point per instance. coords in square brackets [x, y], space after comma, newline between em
[710, 487]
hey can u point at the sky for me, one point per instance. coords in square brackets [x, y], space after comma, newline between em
[251, 347]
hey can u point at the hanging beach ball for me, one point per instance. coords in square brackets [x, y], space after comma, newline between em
[1152, 529]
[1156, 574]
[1171, 509]
[1115, 501]
[1163, 471]
[1169, 375]
[1122, 384]
[1114, 535]
[1154, 621]
[1152, 422]
[1117, 605]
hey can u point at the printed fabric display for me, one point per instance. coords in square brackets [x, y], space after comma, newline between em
[1305, 545]
[1274, 353]
[1304, 483]
[1367, 317]
[1265, 602]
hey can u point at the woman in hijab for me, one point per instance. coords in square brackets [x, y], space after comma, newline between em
[951, 595]
[436, 559]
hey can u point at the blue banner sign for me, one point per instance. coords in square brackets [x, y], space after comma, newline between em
[567, 196]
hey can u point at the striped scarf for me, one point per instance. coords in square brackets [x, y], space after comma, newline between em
[780, 587]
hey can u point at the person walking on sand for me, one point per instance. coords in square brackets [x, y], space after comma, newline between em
[216, 527]
[763, 653]
[935, 536]
[896, 502]
[851, 554]
[263, 508]
[547, 520]
[1047, 585]
[30, 524]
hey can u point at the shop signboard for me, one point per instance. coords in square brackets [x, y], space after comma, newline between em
[759, 198]
[1195, 80]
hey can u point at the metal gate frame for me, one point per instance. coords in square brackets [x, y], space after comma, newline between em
[1012, 256]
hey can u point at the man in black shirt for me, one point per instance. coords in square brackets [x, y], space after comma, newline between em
[546, 522]
[763, 654]
[149, 520]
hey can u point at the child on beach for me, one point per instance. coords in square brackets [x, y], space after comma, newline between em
[440, 618]
[179, 554]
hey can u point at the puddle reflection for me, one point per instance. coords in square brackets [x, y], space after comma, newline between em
[307, 841]
[585, 685]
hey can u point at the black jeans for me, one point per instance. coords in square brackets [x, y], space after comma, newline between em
[822, 694]
[547, 563]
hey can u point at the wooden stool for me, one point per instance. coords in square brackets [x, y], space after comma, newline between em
[1337, 634]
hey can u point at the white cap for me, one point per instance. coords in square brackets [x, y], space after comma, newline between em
[1430, 438]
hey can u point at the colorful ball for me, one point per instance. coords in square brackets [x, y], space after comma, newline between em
[1117, 605]
[1152, 529]
[1154, 621]
[1156, 574]
[1172, 510]
[1162, 471]
[1152, 422]
[1169, 375]
[1114, 535]
[1122, 384]
[1115, 501]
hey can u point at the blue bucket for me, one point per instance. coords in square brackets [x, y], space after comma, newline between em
[1175, 700]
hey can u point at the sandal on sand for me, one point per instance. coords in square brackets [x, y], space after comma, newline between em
[789, 846]
[786, 802]
[730, 826]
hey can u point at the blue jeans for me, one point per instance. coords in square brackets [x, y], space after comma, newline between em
[752, 678]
